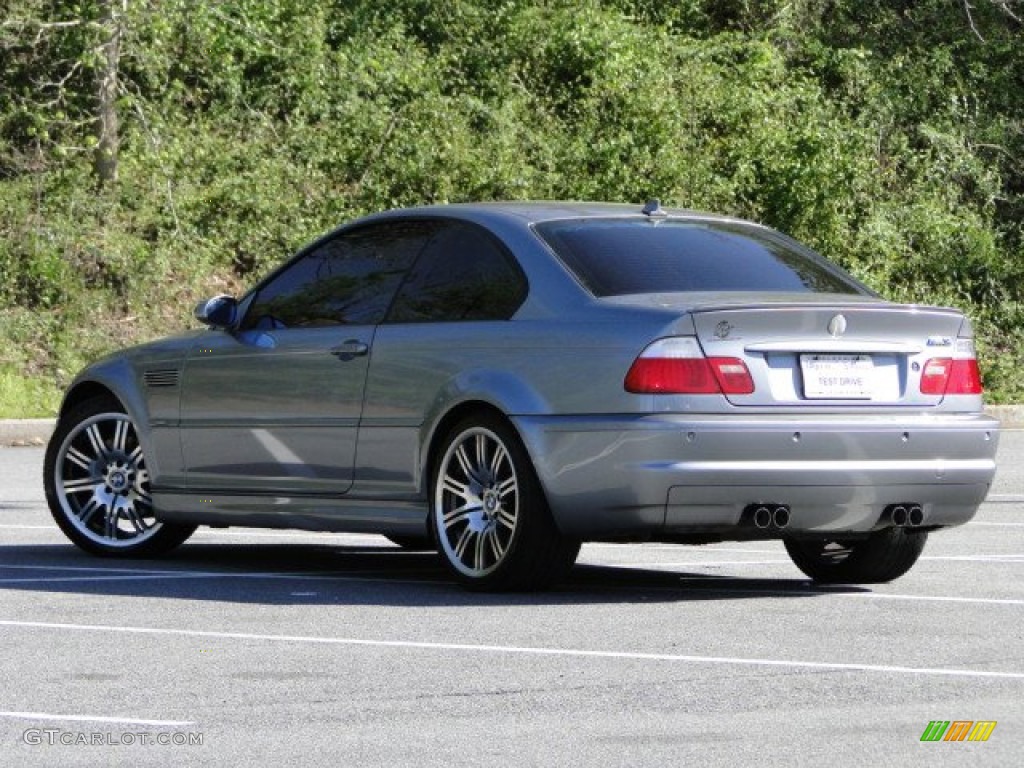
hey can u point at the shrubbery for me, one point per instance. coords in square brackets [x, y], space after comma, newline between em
[887, 135]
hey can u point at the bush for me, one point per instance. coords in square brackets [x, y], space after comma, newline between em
[886, 141]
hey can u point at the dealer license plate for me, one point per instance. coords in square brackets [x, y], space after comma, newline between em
[838, 377]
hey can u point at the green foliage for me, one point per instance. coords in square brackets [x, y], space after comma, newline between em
[22, 397]
[887, 135]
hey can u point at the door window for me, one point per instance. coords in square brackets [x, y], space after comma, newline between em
[347, 279]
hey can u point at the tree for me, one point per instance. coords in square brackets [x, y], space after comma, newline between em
[107, 124]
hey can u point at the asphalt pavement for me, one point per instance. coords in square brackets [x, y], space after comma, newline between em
[285, 648]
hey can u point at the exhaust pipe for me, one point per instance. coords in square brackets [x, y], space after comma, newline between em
[906, 515]
[767, 516]
[762, 517]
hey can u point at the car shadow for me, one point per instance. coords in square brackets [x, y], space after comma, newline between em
[301, 574]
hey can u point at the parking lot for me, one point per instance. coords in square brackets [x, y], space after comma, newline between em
[287, 648]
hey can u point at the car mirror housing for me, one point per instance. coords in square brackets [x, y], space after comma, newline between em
[218, 312]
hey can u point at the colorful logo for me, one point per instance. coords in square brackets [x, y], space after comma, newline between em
[958, 730]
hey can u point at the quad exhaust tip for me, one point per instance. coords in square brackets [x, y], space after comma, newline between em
[767, 516]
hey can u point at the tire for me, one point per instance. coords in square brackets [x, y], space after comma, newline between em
[491, 521]
[413, 543]
[883, 556]
[97, 484]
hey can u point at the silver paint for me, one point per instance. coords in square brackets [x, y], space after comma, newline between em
[272, 429]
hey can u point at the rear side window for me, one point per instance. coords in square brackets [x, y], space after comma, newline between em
[615, 257]
[348, 279]
[463, 274]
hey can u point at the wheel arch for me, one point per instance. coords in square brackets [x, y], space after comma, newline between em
[500, 392]
[444, 425]
[85, 390]
[117, 383]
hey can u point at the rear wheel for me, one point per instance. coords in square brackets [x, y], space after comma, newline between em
[493, 527]
[97, 484]
[883, 556]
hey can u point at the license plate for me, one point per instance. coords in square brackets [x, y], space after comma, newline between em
[838, 377]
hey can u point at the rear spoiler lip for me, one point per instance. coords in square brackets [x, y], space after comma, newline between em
[797, 346]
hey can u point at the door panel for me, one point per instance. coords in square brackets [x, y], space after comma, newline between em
[274, 411]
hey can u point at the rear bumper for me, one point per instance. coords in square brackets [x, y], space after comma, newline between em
[677, 474]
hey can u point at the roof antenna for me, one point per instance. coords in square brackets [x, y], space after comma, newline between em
[654, 210]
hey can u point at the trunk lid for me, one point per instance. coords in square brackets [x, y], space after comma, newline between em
[838, 353]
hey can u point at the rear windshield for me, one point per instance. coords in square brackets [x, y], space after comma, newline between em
[615, 257]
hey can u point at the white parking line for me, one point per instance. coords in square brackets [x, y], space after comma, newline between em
[1007, 558]
[655, 565]
[141, 574]
[93, 719]
[809, 589]
[523, 650]
[935, 598]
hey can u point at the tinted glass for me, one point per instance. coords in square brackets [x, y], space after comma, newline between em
[618, 257]
[463, 274]
[347, 280]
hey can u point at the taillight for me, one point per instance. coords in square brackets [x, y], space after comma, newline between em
[958, 375]
[677, 366]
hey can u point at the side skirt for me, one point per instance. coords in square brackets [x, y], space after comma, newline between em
[305, 513]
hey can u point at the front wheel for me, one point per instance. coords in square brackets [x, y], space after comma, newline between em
[882, 556]
[493, 527]
[97, 484]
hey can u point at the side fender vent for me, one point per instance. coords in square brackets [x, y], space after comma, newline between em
[161, 377]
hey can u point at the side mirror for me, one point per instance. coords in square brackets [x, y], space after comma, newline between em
[218, 312]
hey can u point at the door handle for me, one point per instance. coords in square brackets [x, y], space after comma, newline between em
[350, 349]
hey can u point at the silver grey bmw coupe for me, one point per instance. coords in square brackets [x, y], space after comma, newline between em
[502, 382]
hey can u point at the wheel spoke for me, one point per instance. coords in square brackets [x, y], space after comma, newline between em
[110, 523]
[135, 520]
[91, 508]
[81, 485]
[479, 552]
[506, 486]
[507, 519]
[460, 514]
[496, 547]
[481, 452]
[467, 466]
[120, 436]
[463, 542]
[497, 460]
[451, 485]
[78, 458]
[98, 447]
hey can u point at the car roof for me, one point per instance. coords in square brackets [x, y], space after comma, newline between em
[536, 212]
